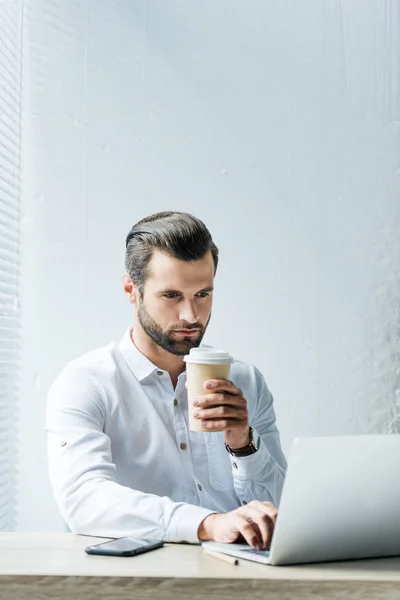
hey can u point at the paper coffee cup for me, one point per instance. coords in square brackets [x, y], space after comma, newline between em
[203, 364]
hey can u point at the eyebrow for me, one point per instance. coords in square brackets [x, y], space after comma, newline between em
[208, 289]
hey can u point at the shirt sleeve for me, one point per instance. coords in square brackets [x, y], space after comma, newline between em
[260, 476]
[83, 476]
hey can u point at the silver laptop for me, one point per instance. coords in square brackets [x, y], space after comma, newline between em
[340, 500]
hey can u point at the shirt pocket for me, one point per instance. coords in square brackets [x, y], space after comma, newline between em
[219, 464]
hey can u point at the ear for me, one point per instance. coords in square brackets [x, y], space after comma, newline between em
[130, 288]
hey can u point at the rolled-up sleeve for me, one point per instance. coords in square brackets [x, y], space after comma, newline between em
[83, 475]
[260, 476]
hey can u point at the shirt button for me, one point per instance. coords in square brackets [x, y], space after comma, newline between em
[183, 446]
[160, 373]
[234, 465]
[175, 402]
[199, 486]
[244, 502]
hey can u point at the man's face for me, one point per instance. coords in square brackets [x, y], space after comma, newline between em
[176, 305]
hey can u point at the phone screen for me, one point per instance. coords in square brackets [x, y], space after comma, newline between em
[125, 547]
[126, 544]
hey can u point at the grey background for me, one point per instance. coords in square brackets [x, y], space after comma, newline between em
[277, 123]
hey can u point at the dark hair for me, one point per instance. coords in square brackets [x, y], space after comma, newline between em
[177, 234]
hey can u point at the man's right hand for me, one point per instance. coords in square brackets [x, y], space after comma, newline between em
[254, 522]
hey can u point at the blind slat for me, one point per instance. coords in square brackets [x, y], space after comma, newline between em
[10, 237]
[5, 157]
[8, 252]
[9, 80]
[8, 202]
[10, 132]
[8, 176]
[9, 194]
[10, 345]
[9, 222]
[4, 33]
[10, 277]
[7, 49]
[4, 361]
[4, 317]
[10, 314]
[10, 11]
[7, 65]
[9, 179]
[7, 113]
[7, 289]
[10, 270]
[9, 24]
[10, 141]
[8, 232]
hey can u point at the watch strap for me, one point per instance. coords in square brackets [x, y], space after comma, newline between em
[250, 448]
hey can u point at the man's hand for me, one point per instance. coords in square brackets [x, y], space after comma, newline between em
[254, 522]
[224, 409]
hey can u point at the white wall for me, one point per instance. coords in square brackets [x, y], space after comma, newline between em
[277, 123]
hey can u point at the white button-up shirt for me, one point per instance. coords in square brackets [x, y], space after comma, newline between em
[123, 461]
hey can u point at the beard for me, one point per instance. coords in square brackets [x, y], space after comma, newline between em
[165, 339]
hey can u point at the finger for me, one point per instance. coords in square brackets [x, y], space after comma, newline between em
[262, 521]
[249, 531]
[269, 514]
[269, 509]
[266, 527]
[222, 424]
[223, 385]
[219, 399]
[219, 424]
[221, 412]
[265, 508]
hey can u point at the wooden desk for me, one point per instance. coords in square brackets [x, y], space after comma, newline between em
[55, 566]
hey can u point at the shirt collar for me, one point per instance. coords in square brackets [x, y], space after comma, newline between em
[140, 366]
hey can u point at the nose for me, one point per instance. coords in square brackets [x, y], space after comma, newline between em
[188, 313]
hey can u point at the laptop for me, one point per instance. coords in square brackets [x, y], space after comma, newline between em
[340, 501]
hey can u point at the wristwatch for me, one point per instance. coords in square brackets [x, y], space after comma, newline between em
[250, 448]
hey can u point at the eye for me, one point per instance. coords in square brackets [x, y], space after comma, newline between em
[171, 295]
[202, 294]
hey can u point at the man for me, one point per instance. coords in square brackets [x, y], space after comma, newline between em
[122, 460]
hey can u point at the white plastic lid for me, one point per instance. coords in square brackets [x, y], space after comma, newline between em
[207, 356]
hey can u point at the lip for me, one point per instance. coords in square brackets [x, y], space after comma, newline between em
[187, 332]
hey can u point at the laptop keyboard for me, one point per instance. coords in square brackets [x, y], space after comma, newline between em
[264, 553]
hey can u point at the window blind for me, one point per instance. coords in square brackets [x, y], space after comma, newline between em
[10, 151]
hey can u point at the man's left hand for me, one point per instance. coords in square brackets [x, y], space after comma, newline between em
[224, 409]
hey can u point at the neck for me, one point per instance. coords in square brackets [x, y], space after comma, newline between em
[164, 360]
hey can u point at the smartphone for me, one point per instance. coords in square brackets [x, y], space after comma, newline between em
[124, 547]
